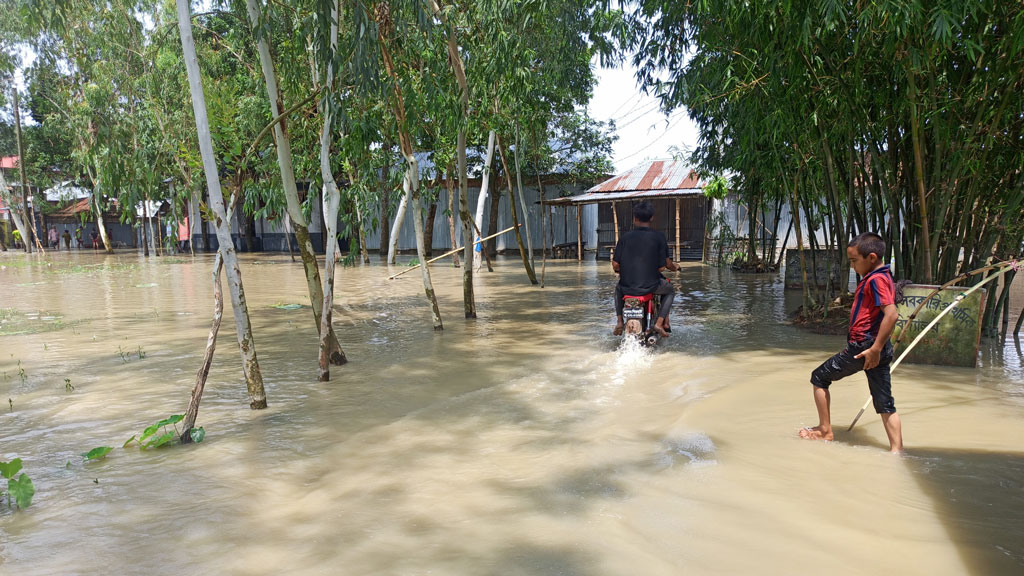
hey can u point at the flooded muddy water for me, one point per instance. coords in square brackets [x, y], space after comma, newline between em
[526, 442]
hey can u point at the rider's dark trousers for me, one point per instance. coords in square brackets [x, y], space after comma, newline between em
[665, 290]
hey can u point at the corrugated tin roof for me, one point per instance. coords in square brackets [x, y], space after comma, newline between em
[654, 179]
[592, 197]
[73, 209]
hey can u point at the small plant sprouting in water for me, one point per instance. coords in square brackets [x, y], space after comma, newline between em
[11, 402]
[20, 488]
[67, 385]
[150, 438]
[21, 373]
[122, 354]
[140, 353]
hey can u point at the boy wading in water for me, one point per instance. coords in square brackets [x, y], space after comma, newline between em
[872, 319]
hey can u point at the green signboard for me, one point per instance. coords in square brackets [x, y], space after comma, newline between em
[951, 342]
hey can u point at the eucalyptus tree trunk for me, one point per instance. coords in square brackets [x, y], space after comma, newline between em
[412, 191]
[482, 199]
[8, 196]
[412, 174]
[396, 227]
[21, 171]
[331, 203]
[145, 236]
[459, 70]
[515, 218]
[246, 345]
[522, 201]
[450, 186]
[97, 204]
[284, 160]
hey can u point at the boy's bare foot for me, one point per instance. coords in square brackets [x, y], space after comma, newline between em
[618, 329]
[815, 433]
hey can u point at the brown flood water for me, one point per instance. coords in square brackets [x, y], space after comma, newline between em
[523, 443]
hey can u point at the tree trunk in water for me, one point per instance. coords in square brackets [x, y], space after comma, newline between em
[385, 203]
[543, 228]
[412, 192]
[449, 184]
[515, 218]
[145, 233]
[211, 346]
[522, 204]
[481, 200]
[246, 345]
[288, 235]
[492, 221]
[284, 160]
[428, 230]
[21, 170]
[396, 228]
[7, 196]
[204, 229]
[331, 203]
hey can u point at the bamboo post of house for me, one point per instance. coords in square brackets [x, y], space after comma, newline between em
[615, 220]
[679, 203]
[579, 235]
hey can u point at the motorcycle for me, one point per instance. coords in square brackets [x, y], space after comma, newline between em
[639, 314]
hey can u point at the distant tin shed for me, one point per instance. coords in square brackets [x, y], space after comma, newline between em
[680, 207]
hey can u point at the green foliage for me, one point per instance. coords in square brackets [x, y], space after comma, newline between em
[149, 437]
[716, 188]
[97, 453]
[197, 434]
[898, 118]
[21, 488]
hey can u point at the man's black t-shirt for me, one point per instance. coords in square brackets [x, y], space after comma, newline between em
[640, 253]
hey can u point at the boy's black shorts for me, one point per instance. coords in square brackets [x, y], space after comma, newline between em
[844, 364]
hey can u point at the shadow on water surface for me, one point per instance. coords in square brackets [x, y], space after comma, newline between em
[978, 494]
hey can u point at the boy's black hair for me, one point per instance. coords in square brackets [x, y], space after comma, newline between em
[867, 243]
[643, 211]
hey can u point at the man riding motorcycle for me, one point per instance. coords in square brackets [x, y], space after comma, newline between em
[640, 255]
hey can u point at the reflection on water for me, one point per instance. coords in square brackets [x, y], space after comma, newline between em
[528, 441]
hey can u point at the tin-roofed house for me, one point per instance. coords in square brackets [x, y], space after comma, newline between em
[680, 207]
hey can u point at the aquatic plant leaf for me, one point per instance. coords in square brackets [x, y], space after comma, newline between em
[22, 490]
[197, 434]
[9, 469]
[128, 441]
[97, 453]
[149, 431]
[160, 440]
[288, 306]
[174, 419]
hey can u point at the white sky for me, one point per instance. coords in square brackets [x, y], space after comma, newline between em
[644, 132]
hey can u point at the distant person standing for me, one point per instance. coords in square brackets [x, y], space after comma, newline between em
[95, 239]
[78, 236]
[67, 239]
[184, 234]
[52, 237]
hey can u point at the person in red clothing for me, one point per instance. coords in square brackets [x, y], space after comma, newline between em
[872, 319]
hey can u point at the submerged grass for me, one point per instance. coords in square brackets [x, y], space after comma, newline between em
[14, 321]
